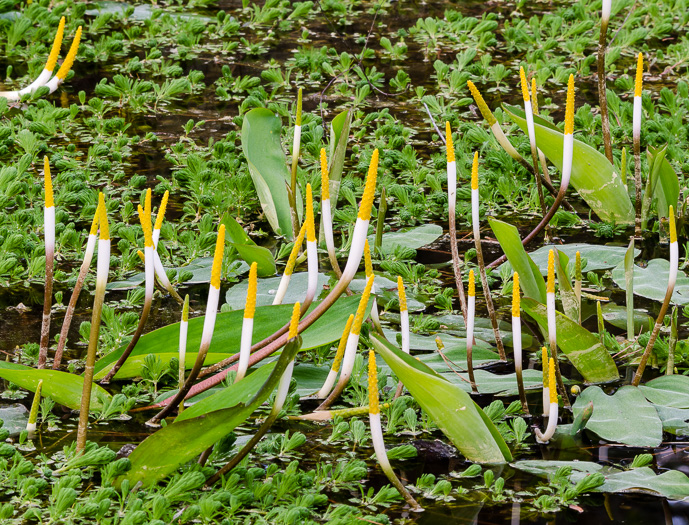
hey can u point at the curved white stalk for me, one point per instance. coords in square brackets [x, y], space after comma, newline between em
[213, 293]
[553, 407]
[517, 341]
[289, 267]
[183, 332]
[404, 315]
[296, 143]
[546, 380]
[337, 362]
[283, 385]
[49, 233]
[311, 248]
[248, 323]
[550, 300]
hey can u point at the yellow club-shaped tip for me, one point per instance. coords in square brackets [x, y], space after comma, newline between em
[343, 344]
[449, 144]
[71, 55]
[49, 202]
[310, 221]
[250, 307]
[524, 84]
[368, 263]
[569, 109]
[57, 44]
[369, 189]
[361, 310]
[673, 228]
[325, 181]
[544, 360]
[472, 284]
[146, 227]
[439, 343]
[161, 211]
[550, 286]
[294, 322]
[401, 294]
[639, 75]
[551, 380]
[292, 259]
[373, 401]
[516, 296]
[141, 256]
[534, 96]
[94, 222]
[482, 106]
[298, 119]
[474, 172]
[577, 265]
[217, 258]
[147, 203]
[103, 221]
[185, 309]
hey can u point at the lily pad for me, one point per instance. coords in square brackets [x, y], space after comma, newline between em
[651, 282]
[625, 417]
[675, 420]
[670, 391]
[617, 316]
[598, 257]
[413, 238]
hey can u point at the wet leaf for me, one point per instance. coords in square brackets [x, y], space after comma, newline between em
[14, 418]
[597, 256]
[651, 282]
[617, 316]
[266, 289]
[413, 238]
[670, 391]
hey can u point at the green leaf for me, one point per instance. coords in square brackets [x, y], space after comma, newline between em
[266, 288]
[413, 238]
[597, 256]
[651, 282]
[625, 417]
[530, 279]
[675, 420]
[593, 176]
[339, 135]
[670, 391]
[14, 418]
[582, 348]
[569, 299]
[227, 336]
[248, 250]
[617, 316]
[662, 186]
[452, 409]
[63, 388]
[268, 167]
[170, 447]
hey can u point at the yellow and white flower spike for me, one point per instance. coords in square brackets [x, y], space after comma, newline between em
[337, 361]
[248, 323]
[553, 406]
[404, 315]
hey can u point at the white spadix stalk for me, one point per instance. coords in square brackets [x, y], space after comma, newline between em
[311, 249]
[471, 313]
[157, 263]
[85, 265]
[552, 323]
[183, 331]
[517, 340]
[534, 105]
[248, 323]
[103, 267]
[289, 267]
[327, 215]
[337, 362]
[636, 135]
[368, 266]
[602, 89]
[377, 432]
[283, 385]
[546, 380]
[568, 137]
[33, 415]
[296, 143]
[404, 315]
[552, 411]
[605, 12]
[49, 232]
[452, 216]
[671, 281]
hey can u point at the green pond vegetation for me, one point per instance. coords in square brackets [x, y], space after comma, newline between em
[291, 167]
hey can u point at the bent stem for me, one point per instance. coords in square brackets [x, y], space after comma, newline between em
[326, 215]
[248, 323]
[337, 361]
[452, 204]
[49, 232]
[552, 413]
[602, 89]
[552, 325]
[517, 341]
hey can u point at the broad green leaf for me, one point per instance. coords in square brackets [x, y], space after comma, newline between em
[268, 167]
[597, 256]
[452, 409]
[548, 468]
[582, 348]
[248, 250]
[567, 295]
[670, 391]
[14, 418]
[172, 446]
[675, 420]
[593, 176]
[62, 387]
[483, 330]
[489, 383]
[625, 417]
[309, 377]
[227, 336]
[530, 278]
[413, 238]
[662, 186]
[630, 315]
[339, 135]
[651, 281]
[617, 316]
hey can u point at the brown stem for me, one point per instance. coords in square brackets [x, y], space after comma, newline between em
[456, 269]
[470, 366]
[654, 336]
[539, 188]
[520, 387]
[489, 300]
[68, 316]
[47, 305]
[602, 93]
[548, 185]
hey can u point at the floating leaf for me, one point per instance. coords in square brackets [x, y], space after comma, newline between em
[597, 256]
[413, 238]
[625, 417]
[675, 420]
[617, 316]
[266, 289]
[651, 282]
[14, 418]
[670, 391]
[248, 250]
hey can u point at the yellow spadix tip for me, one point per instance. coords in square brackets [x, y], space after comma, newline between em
[325, 180]
[472, 284]
[482, 106]
[544, 360]
[361, 310]
[373, 401]
[298, 118]
[524, 84]
[161, 211]
[185, 309]
[474, 172]
[439, 343]
[94, 222]
[368, 264]
[71, 55]
[673, 228]
[146, 227]
[217, 258]
[369, 189]
[57, 44]
[550, 286]
[449, 144]
[337, 362]
[569, 109]
[577, 265]
[141, 255]
[292, 259]
[516, 296]
[551, 380]
[639, 75]
[294, 322]
[310, 221]
[250, 308]
[401, 294]
[103, 220]
[49, 202]
[147, 203]
[534, 96]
